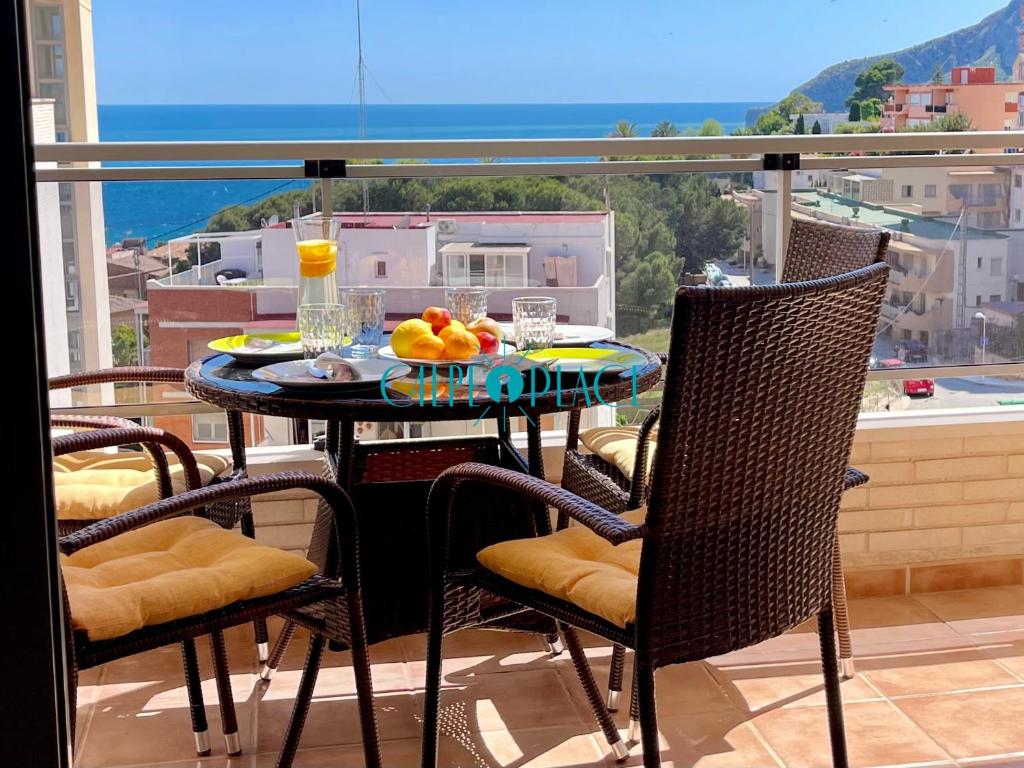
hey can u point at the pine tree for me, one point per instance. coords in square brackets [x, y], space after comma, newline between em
[816, 128]
[800, 128]
[855, 116]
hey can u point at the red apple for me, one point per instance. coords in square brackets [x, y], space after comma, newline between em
[438, 317]
[488, 342]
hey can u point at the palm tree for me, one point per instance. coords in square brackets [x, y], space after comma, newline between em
[623, 130]
[665, 129]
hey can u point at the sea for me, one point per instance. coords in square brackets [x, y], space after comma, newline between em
[159, 211]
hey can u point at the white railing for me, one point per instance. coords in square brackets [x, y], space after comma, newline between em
[141, 161]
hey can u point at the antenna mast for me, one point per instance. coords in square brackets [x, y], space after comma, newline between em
[360, 69]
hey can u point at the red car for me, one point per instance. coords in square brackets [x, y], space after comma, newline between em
[911, 387]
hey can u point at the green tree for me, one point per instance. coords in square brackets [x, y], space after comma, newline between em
[870, 109]
[771, 123]
[711, 127]
[624, 130]
[665, 129]
[800, 128]
[870, 84]
[797, 102]
[124, 345]
[816, 128]
[854, 116]
[707, 227]
[645, 294]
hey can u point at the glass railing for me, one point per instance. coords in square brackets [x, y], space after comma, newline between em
[610, 239]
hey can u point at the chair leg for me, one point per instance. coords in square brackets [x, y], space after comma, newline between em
[274, 661]
[841, 614]
[200, 729]
[833, 695]
[615, 677]
[302, 699]
[259, 626]
[364, 684]
[554, 642]
[432, 684]
[633, 735]
[648, 714]
[579, 660]
[222, 675]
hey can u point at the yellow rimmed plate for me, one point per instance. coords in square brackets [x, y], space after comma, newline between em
[262, 348]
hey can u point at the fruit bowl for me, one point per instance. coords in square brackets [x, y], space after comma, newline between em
[507, 355]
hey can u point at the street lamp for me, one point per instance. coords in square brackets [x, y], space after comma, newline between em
[984, 335]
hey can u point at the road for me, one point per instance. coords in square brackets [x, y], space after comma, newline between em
[969, 393]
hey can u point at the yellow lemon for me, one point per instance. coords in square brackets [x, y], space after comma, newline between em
[406, 333]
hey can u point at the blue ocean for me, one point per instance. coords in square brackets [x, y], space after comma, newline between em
[161, 210]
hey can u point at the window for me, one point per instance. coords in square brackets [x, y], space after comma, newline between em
[995, 267]
[906, 335]
[977, 301]
[979, 262]
[259, 257]
[209, 428]
[929, 190]
[381, 268]
[1017, 180]
[924, 338]
[907, 190]
[1016, 215]
[993, 298]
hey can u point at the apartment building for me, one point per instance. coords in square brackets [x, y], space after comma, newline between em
[252, 286]
[973, 91]
[983, 190]
[63, 72]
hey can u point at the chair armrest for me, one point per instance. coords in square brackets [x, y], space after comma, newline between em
[91, 422]
[344, 516]
[854, 477]
[134, 373]
[663, 356]
[605, 524]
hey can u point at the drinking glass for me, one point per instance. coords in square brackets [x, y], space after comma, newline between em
[365, 320]
[322, 328]
[533, 322]
[466, 304]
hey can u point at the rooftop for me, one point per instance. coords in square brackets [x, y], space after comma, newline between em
[940, 683]
[889, 218]
[391, 220]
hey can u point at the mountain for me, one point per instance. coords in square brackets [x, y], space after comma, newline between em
[990, 42]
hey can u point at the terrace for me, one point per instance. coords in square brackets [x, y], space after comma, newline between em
[933, 547]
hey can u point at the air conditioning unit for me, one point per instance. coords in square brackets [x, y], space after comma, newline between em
[447, 226]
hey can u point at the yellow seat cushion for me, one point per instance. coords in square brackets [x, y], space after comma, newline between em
[92, 485]
[617, 446]
[575, 565]
[170, 570]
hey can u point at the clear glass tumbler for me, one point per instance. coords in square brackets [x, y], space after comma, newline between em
[322, 328]
[533, 322]
[466, 304]
[365, 320]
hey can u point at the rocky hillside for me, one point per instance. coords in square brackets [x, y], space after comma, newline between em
[992, 41]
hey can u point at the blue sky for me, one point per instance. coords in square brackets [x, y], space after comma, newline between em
[495, 51]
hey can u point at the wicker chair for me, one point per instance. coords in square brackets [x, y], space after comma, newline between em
[738, 537]
[327, 601]
[816, 250]
[237, 512]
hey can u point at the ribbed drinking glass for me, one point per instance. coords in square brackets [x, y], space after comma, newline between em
[533, 322]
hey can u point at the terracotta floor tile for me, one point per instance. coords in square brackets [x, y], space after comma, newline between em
[876, 735]
[334, 720]
[526, 700]
[982, 615]
[1009, 655]
[1011, 761]
[973, 724]
[529, 748]
[943, 672]
[757, 688]
[715, 740]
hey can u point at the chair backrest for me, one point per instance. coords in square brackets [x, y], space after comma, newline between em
[818, 249]
[763, 387]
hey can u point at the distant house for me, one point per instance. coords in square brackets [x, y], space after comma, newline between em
[128, 271]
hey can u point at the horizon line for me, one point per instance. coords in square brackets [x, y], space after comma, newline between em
[428, 104]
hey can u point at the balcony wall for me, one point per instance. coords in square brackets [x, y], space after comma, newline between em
[944, 508]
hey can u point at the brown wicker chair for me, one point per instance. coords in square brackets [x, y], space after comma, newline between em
[816, 250]
[738, 537]
[229, 514]
[329, 601]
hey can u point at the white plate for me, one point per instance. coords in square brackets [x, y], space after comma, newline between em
[567, 335]
[294, 374]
